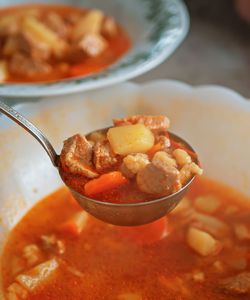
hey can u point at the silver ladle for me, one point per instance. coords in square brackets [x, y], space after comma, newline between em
[123, 214]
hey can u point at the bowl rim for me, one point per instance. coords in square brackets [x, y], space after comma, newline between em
[162, 49]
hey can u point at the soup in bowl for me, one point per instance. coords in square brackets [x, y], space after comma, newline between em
[201, 248]
[67, 46]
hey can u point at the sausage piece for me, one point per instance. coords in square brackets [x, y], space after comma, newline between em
[157, 180]
[237, 285]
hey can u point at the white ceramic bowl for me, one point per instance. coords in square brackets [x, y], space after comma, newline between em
[156, 28]
[215, 120]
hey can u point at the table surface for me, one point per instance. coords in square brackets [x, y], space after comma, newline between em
[216, 50]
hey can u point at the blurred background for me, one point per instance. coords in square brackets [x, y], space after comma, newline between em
[217, 48]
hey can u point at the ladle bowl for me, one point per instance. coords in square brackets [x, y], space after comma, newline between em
[122, 214]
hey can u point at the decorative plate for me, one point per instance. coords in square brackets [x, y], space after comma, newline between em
[156, 28]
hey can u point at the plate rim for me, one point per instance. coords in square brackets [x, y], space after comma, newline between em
[70, 86]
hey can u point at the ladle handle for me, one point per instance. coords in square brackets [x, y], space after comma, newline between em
[28, 126]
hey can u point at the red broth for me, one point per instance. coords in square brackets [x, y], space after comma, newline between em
[117, 46]
[147, 262]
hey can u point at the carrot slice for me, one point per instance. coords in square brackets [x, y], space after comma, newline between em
[155, 148]
[104, 183]
[148, 233]
[75, 225]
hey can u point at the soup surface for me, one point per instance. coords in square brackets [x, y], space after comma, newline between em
[41, 43]
[201, 251]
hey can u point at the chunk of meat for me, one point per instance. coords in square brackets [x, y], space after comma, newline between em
[22, 65]
[157, 180]
[52, 244]
[155, 123]
[76, 156]
[133, 163]
[25, 43]
[92, 44]
[104, 158]
[238, 285]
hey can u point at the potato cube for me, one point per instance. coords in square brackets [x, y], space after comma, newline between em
[90, 23]
[93, 44]
[207, 204]
[43, 34]
[202, 242]
[38, 275]
[129, 139]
